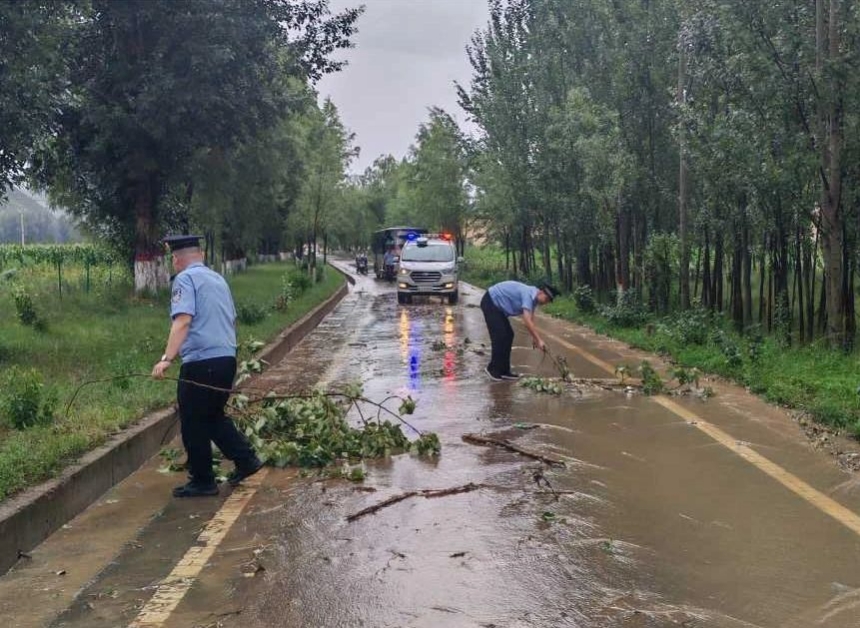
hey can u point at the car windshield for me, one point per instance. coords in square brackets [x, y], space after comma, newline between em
[429, 253]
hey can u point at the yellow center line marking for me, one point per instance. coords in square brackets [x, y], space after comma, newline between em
[173, 588]
[815, 497]
[606, 366]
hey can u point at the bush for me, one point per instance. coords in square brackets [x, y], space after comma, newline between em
[691, 327]
[729, 348]
[250, 313]
[652, 384]
[282, 301]
[583, 296]
[26, 310]
[627, 313]
[24, 401]
[299, 281]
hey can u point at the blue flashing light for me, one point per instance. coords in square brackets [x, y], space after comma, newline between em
[411, 236]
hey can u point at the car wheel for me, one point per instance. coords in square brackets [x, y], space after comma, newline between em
[453, 298]
[402, 299]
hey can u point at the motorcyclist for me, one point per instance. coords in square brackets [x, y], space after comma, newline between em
[389, 261]
[361, 262]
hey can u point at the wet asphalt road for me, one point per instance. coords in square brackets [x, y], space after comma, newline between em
[653, 522]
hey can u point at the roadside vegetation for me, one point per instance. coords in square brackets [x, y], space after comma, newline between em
[105, 334]
[686, 171]
[813, 378]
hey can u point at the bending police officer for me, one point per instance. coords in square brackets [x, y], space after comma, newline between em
[501, 301]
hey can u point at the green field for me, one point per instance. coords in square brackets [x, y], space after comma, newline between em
[102, 334]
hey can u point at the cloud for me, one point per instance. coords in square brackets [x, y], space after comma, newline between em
[408, 54]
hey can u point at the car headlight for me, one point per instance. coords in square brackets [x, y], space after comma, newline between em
[404, 271]
[449, 270]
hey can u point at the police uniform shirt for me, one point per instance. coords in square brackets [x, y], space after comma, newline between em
[205, 296]
[512, 297]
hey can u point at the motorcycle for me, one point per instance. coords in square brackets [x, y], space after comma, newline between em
[389, 272]
[361, 264]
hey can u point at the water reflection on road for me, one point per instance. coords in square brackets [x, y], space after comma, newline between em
[608, 550]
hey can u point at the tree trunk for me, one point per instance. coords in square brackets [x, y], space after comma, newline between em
[583, 267]
[150, 270]
[545, 252]
[736, 289]
[799, 273]
[717, 286]
[706, 272]
[639, 236]
[682, 182]
[622, 261]
[746, 272]
[830, 147]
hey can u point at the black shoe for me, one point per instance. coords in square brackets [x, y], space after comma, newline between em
[192, 489]
[491, 375]
[511, 375]
[245, 471]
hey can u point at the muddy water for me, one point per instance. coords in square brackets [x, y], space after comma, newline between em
[650, 523]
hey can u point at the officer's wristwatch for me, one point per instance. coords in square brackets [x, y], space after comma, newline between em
[164, 358]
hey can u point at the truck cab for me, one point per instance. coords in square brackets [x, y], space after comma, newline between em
[428, 266]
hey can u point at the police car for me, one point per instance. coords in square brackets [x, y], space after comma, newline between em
[428, 266]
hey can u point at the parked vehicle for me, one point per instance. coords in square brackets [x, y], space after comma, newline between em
[390, 239]
[428, 266]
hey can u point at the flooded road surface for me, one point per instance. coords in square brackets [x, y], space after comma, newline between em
[675, 512]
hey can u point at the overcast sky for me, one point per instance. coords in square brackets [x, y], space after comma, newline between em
[407, 55]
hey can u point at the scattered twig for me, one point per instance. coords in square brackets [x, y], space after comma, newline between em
[476, 439]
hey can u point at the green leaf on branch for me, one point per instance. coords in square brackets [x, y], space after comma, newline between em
[407, 407]
[312, 430]
[542, 385]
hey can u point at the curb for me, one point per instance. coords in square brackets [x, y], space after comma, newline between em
[30, 517]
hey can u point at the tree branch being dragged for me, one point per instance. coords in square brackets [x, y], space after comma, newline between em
[311, 430]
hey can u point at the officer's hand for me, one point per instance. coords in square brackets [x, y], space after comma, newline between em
[159, 368]
[539, 344]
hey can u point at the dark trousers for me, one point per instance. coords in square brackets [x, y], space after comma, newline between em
[201, 411]
[501, 336]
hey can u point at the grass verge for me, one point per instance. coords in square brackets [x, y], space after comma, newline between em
[104, 334]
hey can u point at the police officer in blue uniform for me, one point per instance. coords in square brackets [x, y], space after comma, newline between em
[501, 301]
[203, 336]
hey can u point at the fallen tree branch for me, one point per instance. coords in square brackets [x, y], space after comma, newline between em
[442, 492]
[466, 488]
[608, 381]
[476, 439]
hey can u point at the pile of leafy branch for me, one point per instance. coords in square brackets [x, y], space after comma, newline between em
[542, 385]
[312, 431]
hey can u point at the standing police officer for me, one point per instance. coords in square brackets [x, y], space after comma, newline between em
[203, 335]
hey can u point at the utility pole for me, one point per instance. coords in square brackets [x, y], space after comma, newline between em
[22, 228]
